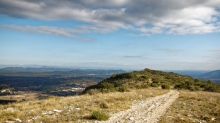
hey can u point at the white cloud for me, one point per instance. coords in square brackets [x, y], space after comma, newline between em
[48, 30]
[216, 50]
[144, 16]
[209, 28]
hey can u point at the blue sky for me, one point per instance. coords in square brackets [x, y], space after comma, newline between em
[116, 34]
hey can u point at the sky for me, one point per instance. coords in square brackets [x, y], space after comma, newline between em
[111, 34]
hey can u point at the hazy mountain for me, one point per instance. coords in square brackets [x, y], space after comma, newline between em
[55, 71]
[29, 69]
[211, 75]
[193, 73]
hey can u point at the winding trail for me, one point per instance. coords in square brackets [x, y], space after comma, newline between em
[148, 111]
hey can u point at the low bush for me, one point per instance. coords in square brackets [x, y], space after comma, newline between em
[154, 85]
[99, 115]
[165, 86]
[122, 89]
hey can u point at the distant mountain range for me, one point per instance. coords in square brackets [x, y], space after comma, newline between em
[28, 69]
[201, 74]
[206, 75]
[49, 71]
[211, 75]
[193, 73]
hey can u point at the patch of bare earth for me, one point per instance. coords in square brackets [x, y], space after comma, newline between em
[147, 111]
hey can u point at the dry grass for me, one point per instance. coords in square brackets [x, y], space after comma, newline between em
[73, 109]
[28, 96]
[198, 107]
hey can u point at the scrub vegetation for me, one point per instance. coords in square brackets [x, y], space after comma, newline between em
[152, 78]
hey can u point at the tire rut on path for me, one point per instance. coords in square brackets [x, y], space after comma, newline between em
[147, 111]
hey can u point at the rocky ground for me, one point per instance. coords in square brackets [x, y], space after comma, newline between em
[148, 111]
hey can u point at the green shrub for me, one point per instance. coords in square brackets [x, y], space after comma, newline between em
[191, 88]
[145, 86]
[180, 86]
[154, 85]
[165, 86]
[197, 88]
[138, 86]
[93, 91]
[99, 115]
[122, 89]
[106, 87]
[211, 88]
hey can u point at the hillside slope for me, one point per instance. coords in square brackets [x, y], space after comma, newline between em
[74, 109]
[151, 78]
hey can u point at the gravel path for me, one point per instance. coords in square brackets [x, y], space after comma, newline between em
[148, 111]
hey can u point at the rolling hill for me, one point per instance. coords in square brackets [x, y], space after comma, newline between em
[151, 78]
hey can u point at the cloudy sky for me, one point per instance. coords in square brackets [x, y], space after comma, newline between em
[125, 34]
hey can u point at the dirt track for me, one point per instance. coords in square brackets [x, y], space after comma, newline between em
[148, 111]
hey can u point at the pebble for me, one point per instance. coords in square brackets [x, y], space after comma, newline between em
[18, 120]
[77, 108]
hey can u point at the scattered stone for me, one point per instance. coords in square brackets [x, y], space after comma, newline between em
[50, 112]
[213, 118]
[10, 109]
[18, 120]
[131, 118]
[189, 115]
[37, 117]
[56, 110]
[9, 121]
[44, 113]
[30, 120]
[77, 108]
[47, 112]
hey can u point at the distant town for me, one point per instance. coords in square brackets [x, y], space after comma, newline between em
[23, 84]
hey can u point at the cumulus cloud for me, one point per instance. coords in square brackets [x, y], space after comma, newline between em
[103, 16]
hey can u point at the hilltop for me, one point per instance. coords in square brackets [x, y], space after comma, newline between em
[151, 78]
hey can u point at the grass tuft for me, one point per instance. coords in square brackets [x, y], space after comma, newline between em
[99, 115]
